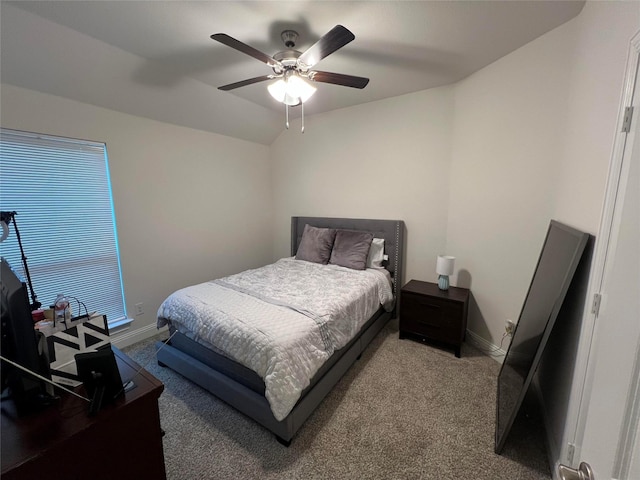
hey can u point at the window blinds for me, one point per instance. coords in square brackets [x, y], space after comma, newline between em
[61, 192]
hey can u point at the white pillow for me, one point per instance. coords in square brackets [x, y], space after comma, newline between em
[376, 253]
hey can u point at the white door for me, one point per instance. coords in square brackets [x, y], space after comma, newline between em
[607, 433]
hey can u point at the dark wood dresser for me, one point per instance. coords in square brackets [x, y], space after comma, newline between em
[430, 314]
[123, 441]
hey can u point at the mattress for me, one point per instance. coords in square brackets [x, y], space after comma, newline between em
[206, 354]
[283, 321]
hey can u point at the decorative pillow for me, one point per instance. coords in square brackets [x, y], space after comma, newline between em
[316, 244]
[376, 253]
[351, 249]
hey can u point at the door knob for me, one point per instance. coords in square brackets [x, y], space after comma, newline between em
[584, 472]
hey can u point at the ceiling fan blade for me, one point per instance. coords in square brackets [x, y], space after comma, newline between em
[339, 79]
[244, 48]
[244, 83]
[336, 38]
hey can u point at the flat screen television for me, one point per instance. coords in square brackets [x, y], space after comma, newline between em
[561, 253]
[20, 345]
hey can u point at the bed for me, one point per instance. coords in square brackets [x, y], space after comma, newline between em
[280, 399]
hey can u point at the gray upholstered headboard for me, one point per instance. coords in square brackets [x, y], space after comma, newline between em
[391, 230]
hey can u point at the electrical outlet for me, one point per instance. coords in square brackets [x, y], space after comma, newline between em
[509, 326]
[139, 309]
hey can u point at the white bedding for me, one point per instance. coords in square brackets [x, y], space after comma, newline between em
[282, 321]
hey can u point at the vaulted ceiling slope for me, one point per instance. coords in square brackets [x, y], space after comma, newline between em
[155, 59]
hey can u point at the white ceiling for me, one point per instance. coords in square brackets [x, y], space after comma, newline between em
[155, 58]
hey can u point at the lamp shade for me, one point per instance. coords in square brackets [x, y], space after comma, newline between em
[300, 89]
[445, 264]
[278, 89]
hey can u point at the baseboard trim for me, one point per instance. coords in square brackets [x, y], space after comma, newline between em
[129, 337]
[486, 347]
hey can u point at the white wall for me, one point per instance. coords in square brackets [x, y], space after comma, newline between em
[604, 32]
[189, 204]
[388, 159]
[508, 132]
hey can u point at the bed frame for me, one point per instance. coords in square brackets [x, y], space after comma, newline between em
[242, 388]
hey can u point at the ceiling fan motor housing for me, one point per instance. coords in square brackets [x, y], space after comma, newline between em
[288, 59]
[289, 37]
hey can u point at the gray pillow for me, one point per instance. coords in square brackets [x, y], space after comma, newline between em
[315, 245]
[351, 249]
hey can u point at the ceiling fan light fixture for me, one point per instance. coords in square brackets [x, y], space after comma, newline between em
[292, 90]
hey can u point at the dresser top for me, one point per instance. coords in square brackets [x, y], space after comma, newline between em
[419, 287]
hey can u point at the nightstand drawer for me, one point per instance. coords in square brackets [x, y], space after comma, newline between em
[431, 312]
[430, 321]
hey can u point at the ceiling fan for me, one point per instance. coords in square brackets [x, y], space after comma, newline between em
[293, 69]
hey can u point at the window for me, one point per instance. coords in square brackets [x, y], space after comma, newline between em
[61, 193]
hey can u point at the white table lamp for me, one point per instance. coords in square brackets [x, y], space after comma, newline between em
[444, 268]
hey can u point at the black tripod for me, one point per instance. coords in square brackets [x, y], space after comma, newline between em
[7, 217]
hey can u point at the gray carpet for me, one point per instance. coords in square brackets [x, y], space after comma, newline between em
[404, 411]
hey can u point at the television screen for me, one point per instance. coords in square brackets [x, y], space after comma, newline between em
[561, 253]
[20, 345]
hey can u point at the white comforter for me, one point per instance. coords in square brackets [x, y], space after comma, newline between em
[282, 321]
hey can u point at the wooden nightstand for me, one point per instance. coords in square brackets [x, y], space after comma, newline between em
[428, 313]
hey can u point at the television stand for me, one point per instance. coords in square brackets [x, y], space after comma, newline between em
[62, 441]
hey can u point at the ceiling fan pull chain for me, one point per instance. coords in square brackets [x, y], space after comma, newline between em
[302, 115]
[286, 109]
